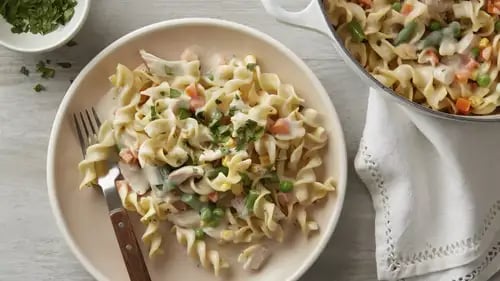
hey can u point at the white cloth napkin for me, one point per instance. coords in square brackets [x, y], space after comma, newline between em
[435, 186]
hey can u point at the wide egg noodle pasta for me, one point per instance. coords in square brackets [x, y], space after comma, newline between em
[192, 143]
[443, 62]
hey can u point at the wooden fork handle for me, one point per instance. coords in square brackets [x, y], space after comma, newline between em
[131, 252]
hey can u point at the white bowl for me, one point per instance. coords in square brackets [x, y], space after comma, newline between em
[36, 43]
[82, 215]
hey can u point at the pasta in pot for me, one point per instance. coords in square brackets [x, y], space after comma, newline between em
[229, 155]
[443, 54]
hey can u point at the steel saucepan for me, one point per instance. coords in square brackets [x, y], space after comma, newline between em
[314, 17]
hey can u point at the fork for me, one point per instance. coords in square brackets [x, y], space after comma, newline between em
[87, 129]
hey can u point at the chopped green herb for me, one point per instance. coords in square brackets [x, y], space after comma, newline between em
[163, 93]
[232, 111]
[358, 35]
[271, 178]
[250, 199]
[435, 25]
[46, 72]
[245, 180]
[237, 97]
[474, 52]
[406, 33]
[168, 186]
[64, 64]
[497, 26]
[210, 77]
[199, 234]
[286, 186]
[192, 200]
[71, 43]
[396, 6]
[184, 113]
[37, 16]
[24, 71]
[248, 133]
[174, 93]
[206, 214]
[251, 66]
[216, 171]
[39, 88]
[218, 213]
[154, 115]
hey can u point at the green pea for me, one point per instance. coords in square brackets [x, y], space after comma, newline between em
[406, 33]
[435, 25]
[396, 6]
[433, 39]
[455, 29]
[199, 234]
[497, 26]
[474, 52]
[286, 186]
[218, 213]
[206, 214]
[356, 30]
[483, 80]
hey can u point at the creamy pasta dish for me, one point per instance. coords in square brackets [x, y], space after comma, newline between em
[218, 150]
[443, 54]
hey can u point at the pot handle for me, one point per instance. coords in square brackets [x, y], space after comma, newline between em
[311, 17]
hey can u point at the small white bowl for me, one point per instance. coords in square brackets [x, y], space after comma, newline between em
[36, 43]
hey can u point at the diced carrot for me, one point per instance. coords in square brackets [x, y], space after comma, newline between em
[192, 91]
[486, 53]
[213, 196]
[406, 9]
[196, 103]
[463, 106]
[366, 3]
[462, 76]
[493, 7]
[471, 64]
[282, 126]
[128, 156]
[433, 57]
[144, 99]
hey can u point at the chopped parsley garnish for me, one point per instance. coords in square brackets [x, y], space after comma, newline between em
[38, 88]
[210, 77]
[232, 111]
[216, 117]
[237, 97]
[64, 64]
[37, 16]
[215, 172]
[251, 66]
[174, 93]
[250, 132]
[154, 115]
[24, 71]
[184, 113]
[245, 180]
[46, 72]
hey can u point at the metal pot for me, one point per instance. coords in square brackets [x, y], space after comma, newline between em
[314, 17]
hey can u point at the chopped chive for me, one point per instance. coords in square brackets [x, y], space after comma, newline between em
[174, 93]
[24, 71]
[38, 88]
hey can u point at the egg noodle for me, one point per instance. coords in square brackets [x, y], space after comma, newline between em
[443, 54]
[228, 155]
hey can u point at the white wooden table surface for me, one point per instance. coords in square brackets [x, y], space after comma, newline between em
[31, 247]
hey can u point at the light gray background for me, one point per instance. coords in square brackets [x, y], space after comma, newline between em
[31, 247]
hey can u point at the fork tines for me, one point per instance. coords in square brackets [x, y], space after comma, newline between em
[87, 127]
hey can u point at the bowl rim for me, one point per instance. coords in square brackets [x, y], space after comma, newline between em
[341, 180]
[63, 40]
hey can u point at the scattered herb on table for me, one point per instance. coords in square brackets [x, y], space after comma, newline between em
[37, 16]
[24, 71]
[38, 88]
[64, 64]
[46, 72]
